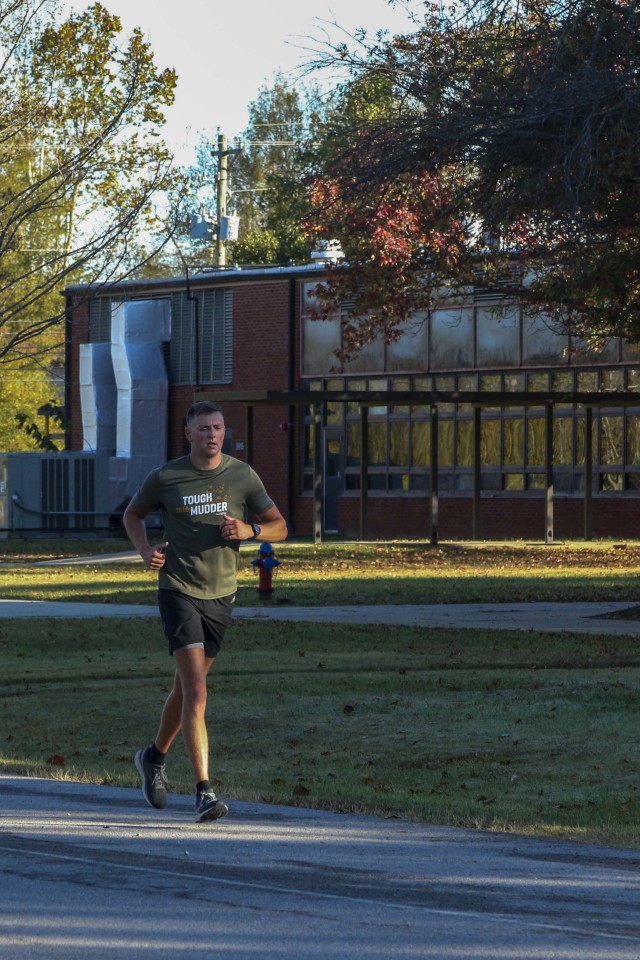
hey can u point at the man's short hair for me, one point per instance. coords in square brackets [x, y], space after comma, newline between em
[200, 408]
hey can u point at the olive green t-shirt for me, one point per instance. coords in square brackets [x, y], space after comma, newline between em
[199, 562]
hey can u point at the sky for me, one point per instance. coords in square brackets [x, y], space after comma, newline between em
[224, 52]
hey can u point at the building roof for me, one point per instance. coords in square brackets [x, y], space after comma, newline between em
[205, 278]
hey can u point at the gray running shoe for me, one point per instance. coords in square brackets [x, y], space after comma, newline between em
[154, 779]
[208, 807]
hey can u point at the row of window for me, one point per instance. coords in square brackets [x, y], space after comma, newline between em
[513, 440]
[467, 336]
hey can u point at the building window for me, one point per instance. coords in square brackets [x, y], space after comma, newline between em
[513, 440]
[452, 338]
[322, 339]
[498, 337]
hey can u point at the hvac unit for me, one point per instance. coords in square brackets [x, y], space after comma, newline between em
[60, 491]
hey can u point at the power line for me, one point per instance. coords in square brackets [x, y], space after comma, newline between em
[278, 143]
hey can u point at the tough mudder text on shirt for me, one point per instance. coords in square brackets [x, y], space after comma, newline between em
[199, 562]
[203, 503]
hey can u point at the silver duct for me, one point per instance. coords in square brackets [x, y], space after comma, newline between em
[124, 393]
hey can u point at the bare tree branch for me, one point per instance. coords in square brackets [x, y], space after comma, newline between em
[80, 165]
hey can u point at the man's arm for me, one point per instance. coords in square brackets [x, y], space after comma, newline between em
[273, 524]
[133, 520]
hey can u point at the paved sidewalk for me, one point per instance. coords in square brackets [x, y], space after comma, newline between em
[574, 617]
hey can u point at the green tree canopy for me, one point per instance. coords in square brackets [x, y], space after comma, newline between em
[80, 161]
[25, 388]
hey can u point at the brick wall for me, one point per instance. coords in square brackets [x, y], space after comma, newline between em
[180, 399]
[261, 361]
[500, 519]
[260, 336]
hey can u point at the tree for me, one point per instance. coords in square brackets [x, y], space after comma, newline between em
[509, 150]
[24, 391]
[80, 162]
[266, 178]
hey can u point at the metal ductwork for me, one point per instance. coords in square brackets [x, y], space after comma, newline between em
[124, 402]
[124, 393]
[97, 398]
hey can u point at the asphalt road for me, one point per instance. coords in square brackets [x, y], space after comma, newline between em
[92, 872]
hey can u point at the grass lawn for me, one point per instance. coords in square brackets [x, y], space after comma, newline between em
[500, 730]
[349, 573]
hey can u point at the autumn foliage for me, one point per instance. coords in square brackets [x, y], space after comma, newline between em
[390, 234]
[509, 147]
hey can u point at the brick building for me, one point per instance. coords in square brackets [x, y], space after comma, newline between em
[478, 423]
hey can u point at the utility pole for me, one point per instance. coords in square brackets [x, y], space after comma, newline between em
[221, 200]
[223, 154]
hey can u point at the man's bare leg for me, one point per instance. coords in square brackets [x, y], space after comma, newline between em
[185, 709]
[171, 719]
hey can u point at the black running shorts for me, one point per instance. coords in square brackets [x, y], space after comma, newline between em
[190, 622]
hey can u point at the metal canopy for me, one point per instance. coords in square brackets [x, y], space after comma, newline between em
[414, 398]
[477, 399]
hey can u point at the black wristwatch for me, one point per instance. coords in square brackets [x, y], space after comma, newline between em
[256, 531]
